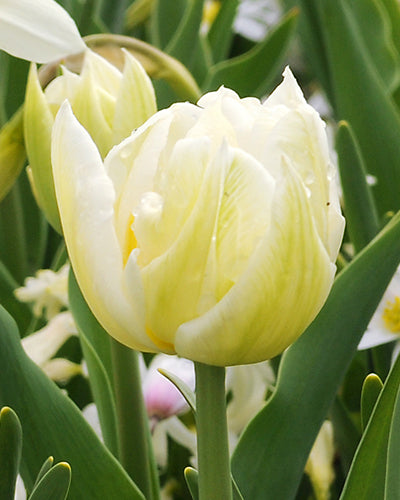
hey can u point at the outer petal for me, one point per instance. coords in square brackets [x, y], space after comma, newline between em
[39, 30]
[285, 285]
[86, 196]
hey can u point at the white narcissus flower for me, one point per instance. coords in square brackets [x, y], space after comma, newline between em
[319, 465]
[42, 345]
[47, 291]
[108, 102]
[384, 326]
[204, 231]
[39, 30]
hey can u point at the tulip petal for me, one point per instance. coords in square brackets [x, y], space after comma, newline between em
[86, 197]
[136, 100]
[255, 320]
[39, 31]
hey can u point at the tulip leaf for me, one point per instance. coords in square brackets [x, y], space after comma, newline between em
[347, 435]
[10, 452]
[372, 387]
[362, 224]
[53, 425]
[366, 104]
[183, 388]
[393, 16]
[392, 483]
[16, 308]
[366, 479]
[192, 481]
[220, 34]
[310, 373]
[164, 21]
[54, 485]
[95, 343]
[47, 465]
[261, 64]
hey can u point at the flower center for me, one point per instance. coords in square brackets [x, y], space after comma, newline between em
[391, 315]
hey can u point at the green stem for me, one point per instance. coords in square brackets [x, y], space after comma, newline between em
[212, 434]
[133, 429]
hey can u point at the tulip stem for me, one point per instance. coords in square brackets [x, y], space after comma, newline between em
[215, 481]
[135, 452]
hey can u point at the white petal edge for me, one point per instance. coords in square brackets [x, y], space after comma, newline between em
[85, 198]
[39, 31]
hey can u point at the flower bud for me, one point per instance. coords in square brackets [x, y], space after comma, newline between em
[211, 232]
[108, 103]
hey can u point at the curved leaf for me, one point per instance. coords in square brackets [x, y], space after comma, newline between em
[54, 485]
[10, 452]
[310, 373]
[53, 425]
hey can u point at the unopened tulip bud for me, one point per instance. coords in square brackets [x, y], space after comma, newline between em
[109, 103]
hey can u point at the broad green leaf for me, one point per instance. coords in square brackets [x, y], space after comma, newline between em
[366, 479]
[53, 425]
[54, 485]
[361, 97]
[372, 387]
[393, 15]
[392, 484]
[95, 343]
[220, 34]
[266, 464]
[361, 215]
[260, 65]
[10, 452]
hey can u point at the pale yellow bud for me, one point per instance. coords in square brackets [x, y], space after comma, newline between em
[211, 232]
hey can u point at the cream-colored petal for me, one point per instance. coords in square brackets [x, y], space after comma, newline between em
[86, 197]
[61, 88]
[285, 285]
[136, 100]
[39, 30]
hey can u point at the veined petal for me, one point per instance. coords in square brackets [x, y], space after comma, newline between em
[285, 285]
[136, 100]
[39, 30]
[86, 197]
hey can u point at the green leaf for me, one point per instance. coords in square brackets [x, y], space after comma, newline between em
[392, 484]
[220, 34]
[393, 16]
[192, 481]
[95, 343]
[183, 388]
[7, 298]
[261, 64]
[266, 464]
[53, 425]
[361, 215]
[347, 435]
[164, 21]
[366, 479]
[372, 387]
[47, 465]
[360, 95]
[10, 452]
[54, 485]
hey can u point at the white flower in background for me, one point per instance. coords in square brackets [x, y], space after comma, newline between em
[319, 465]
[39, 30]
[255, 17]
[162, 398]
[384, 326]
[48, 291]
[42, 345]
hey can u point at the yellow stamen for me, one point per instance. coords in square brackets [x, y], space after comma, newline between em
[130, 240]
[391, 315]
